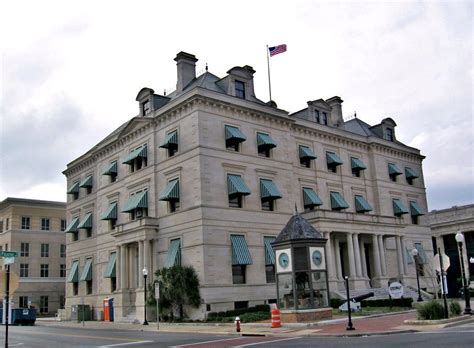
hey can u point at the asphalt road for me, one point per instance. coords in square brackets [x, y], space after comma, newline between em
[51, 337]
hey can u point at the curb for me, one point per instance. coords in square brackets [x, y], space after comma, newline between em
[366, 334]
[449, 321]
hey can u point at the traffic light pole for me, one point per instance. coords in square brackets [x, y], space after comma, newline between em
[7, 305]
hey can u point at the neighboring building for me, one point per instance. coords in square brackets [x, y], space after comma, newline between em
[35, 229]
[445, 224]
[208, 176]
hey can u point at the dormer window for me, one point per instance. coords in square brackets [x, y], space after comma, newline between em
[146, 107]
[389, 134]
[239, 89]
[317, 116]
[325, 118]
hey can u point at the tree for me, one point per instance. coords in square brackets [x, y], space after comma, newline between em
[179, 286]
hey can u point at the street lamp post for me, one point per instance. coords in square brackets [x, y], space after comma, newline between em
[460, 239]
[414, 252]
[145, 275]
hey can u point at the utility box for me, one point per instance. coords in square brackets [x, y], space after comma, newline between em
[108, 305]
[24, 316]
[81, 312]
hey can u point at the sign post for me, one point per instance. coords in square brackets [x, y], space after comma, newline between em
[157, 298]
[443, 283]
[9, 258]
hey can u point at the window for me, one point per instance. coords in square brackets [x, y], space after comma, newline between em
[241, 304]
[236, 189]
[44, 250]
[74, 190]
[63, 225]
[113, 284]
[111, 170]
[235, 201]
[23, 302]
[1, 226]
[25, 249]
[146, 107]
[268, 194]
[62, 301]
[325, 118]
[174, 206]
[62, 270]
[24, 267]
[62, 250]
[239, 89]
[337, 201]
[75, 289]
[137, 205]
[270, 273]
[264, 145]
[317, 117]
[268, 206]
[75, 236]
[89, 287]
[44, 271]
[137, 158]
[7, 224]
[410, 175]
[238, 274]
[87, 184]
[415, 212]
[171, 195]
[310, 199]
[44, 224]
[170, 142]
[389, 134]
[44, 304]
[233, 138]
[357, 166]
[393, 171]
[361, 205]
[333, 161]
[306, 156]
[25, 223]
[86, 224]
[398, 207]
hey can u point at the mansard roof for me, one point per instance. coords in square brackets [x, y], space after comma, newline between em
[298, 229]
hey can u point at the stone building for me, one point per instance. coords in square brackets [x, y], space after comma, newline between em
[35, 229]
[445, 223]
[208, 175]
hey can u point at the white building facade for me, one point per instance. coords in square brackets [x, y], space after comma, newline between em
[209, 175]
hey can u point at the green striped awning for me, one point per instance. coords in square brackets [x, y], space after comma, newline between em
[87, 272]
[137, 200]
[138, 152]
[234, 134]
[236, 185]
[394, 170]
[86, 222]
[87, 182]
[74, 188]
[310, 198]
[110, 271]
[268, 190]
[171, 140]
[171, 191]
[111, 212]
[398, 207]
[111, 169]
[361, 204]
[410, 173]
[240, 250]
[269, 252]
[415, 209]
[73, 276]
[265, 141]
[333, 159]
[357, 164]
[338, 202]
[306, 152]
[72, 227]
[174, 254]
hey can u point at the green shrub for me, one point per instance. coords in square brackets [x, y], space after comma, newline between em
[213, 316]
[432, 310]
[336, 302]
[454, 308]
[255, 316]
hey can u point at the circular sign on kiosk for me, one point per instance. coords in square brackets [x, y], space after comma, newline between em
[395, 290]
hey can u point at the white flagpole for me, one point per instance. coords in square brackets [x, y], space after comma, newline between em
[269, 83]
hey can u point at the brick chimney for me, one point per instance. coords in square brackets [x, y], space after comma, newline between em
[336, 119]
[186, 66]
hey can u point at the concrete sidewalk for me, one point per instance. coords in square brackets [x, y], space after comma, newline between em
[364, 326]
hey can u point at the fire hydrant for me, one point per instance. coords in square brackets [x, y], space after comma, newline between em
[237, 324]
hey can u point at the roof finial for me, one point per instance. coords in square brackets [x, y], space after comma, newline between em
[164, 92]
[206, 66]
[296, 209]
[355, 114]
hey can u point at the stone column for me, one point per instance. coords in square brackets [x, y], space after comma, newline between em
[362, 256]
[375, 247]
[329, 256]
[382, 255]
[400, 258]
[337, 253]
[123, 267]
[350, 253]
[140, 263]
[118, 267]
[404, 259]
[146, 256]
[358, 264]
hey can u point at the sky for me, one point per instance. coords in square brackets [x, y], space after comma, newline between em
[70, 72]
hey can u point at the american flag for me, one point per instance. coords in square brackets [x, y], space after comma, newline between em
[276, 50]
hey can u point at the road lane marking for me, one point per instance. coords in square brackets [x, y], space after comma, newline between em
[266, 342]
[124, 344]
[80, 336]
[205, 342]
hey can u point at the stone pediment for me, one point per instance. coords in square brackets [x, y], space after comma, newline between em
[134, 124]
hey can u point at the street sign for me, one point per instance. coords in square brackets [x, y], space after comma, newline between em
[14, 282]
[8, 253]
[435, 262]
[395, 290]
[157, 291]
[8, 260]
